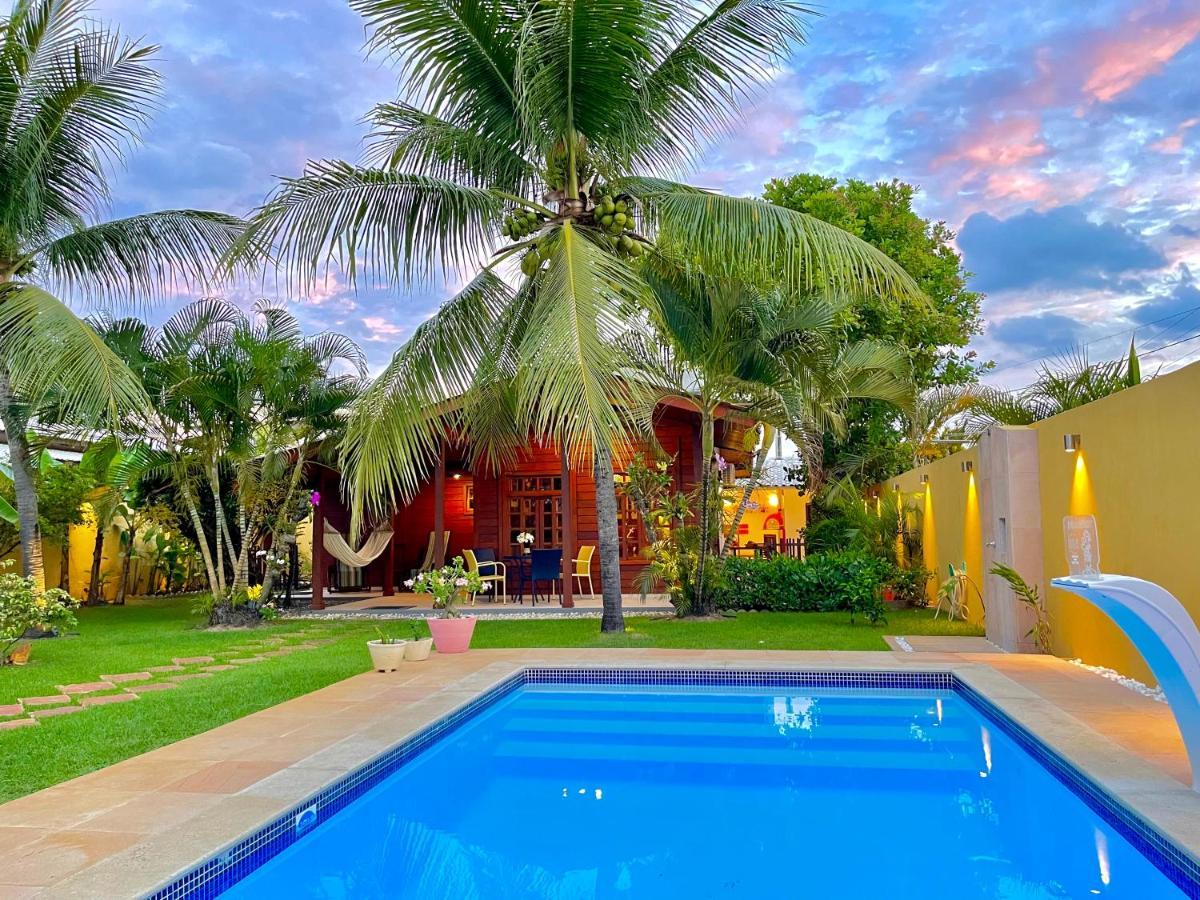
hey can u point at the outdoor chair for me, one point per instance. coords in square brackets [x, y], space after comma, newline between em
[545, 565]
[483, 563]
[583, 569]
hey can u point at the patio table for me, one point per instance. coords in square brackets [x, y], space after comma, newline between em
[522, 566]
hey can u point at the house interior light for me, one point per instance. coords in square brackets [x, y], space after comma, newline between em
[1071, 443]
[968, 466]
[773, 499]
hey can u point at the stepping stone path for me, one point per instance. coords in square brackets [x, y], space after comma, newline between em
[125, 687]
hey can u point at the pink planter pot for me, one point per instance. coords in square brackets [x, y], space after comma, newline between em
[452, 635]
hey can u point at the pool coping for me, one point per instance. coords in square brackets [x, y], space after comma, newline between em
[1152, 798]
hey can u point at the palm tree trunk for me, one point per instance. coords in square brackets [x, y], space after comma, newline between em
[64, 566]
[24, 485]
[610, 545]
[93, 592]
[126, 563]
[760, 462]
[707, 448]
[214, 483]
[189, 499]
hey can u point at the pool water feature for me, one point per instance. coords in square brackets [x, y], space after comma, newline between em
[581, 791]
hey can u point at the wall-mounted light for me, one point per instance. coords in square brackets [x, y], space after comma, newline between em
[896, 486]
[925, 478]
[1072, 442]
[968, 466]
[773, 499]
[456, 476]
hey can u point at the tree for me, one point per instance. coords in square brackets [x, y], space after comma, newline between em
[933, 329]
[776, 357]
[241, 405]
[535, 130]
[74, 95]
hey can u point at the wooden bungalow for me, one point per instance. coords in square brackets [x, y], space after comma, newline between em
[540, 494]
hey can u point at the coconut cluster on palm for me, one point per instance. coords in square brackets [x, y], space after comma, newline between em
[548, 115]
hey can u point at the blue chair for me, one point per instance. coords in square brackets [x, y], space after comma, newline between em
[545, 565]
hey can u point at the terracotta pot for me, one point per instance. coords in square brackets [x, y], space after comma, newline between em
[386, 657]
[452, 635]
[19, 655]
[415, 651]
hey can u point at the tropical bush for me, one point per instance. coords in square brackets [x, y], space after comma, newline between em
[448, 585]
[908, 584]
[23, 608]
[825, 582]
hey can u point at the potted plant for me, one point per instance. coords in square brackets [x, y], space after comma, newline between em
[23, 609]
[449, 586]
[418, 647]
[387, 652]
[525, 539]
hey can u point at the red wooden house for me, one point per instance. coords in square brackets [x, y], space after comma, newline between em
[540, 494]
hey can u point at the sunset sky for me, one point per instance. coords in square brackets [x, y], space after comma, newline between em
[1060, 139]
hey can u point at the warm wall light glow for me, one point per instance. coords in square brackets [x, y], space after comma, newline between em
[1082, 501]
[773, 499]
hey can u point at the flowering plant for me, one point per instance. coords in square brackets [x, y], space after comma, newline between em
[448, 585]
[524, 538]
[23, 608]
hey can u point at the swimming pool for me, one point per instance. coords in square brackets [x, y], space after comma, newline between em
[766, 785]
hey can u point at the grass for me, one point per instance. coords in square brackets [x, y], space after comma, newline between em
[113, 640]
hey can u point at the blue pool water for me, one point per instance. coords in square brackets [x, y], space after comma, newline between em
[630, 793]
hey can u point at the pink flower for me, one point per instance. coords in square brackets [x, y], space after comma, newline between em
[315, 498]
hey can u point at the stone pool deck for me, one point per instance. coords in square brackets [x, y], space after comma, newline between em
[125, 830]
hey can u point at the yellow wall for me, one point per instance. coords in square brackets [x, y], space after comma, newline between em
[951, 529]
[82, 542]
[1138, 472]
[790, 506]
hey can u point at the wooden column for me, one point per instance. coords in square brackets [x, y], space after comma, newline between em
[389, 573]
[439, 509]
[318, 554]
[568, 535]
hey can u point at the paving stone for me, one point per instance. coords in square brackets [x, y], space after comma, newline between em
[282, 651]
[217, 668]
[12, 709]
[128, 676]
[156, 686]
[191, 660]
[107, 699]
[165, 669]
[55, 711]
[248, 659]
[86, 687]
[17, 723]
[190, 675]
[51, 700]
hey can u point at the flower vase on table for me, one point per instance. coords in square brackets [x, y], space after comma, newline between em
[525, 539]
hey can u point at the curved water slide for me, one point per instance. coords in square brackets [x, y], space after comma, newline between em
[1165, 635]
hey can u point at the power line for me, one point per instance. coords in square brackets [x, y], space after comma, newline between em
[1107, 337]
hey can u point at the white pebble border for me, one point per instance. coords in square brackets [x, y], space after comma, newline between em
[1133, 684]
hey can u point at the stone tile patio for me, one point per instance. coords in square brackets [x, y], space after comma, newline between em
[124, 830]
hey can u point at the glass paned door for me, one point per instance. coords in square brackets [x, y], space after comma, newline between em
[535, 506]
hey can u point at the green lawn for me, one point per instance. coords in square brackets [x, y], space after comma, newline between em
[113, 640]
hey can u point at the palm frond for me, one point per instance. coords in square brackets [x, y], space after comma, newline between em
[718, 59]
[740, 236]
[153, 254]
[44, 346]
[396, 427]
[337, 213]
[329, 347]
[406, 139]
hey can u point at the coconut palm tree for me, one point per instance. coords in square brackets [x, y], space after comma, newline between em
[537, 132]
[74, 96]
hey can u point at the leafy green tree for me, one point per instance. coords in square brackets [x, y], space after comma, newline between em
[74, 96]
[934, 329]
[538, 131]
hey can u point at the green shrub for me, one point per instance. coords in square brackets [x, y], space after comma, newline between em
[826, 582]
[909, 585]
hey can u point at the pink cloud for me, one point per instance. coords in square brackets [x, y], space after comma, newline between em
[380, 329]
[1003, 143]
[1173, 143]
[1122, 63]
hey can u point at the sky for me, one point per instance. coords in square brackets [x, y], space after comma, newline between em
[1060, 139]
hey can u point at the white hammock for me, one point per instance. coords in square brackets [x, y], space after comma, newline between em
[377, 541]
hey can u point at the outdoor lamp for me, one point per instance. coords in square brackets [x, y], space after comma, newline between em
[925, 478]
[1071, 442]
[968, 466]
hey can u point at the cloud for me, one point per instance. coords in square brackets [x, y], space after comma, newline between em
[1040, 335]
[381, 329]
[1170, 315]
[1124, 61]
[1059, 248]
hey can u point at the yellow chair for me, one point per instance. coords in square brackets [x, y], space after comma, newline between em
[488, 570]
[583, 568]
